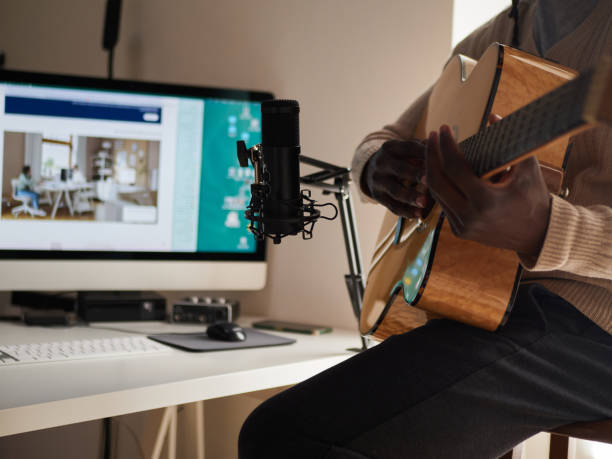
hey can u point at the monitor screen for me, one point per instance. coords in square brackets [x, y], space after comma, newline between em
[104, 170]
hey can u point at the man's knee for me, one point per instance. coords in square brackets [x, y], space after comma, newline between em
[257, 432]
[272, 431]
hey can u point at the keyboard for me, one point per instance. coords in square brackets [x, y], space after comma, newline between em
[79, 349]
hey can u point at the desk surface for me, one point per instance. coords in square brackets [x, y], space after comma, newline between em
[42, 395]
[61, 186]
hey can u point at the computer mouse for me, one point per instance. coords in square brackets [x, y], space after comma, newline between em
[226, 331]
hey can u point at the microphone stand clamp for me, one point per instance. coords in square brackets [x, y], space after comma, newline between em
[260, 189]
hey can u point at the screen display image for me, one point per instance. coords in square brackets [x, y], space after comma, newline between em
[103, 170]
[111, 169]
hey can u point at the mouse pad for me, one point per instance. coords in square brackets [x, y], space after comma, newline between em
[199, 342]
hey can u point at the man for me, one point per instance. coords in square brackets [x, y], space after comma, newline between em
[77, 175]
[25, 187]
[447, 389]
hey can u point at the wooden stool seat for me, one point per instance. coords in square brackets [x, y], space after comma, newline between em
[595, 431]
[559, 439]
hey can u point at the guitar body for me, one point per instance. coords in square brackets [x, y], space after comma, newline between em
[420, 269]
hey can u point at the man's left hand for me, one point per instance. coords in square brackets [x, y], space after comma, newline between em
[510, 214]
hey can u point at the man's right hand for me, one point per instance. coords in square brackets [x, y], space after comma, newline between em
[395, 177]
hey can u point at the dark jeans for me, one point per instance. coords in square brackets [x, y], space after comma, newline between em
[32, 195]
[446, 390]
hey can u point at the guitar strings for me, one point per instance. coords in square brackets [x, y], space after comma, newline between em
[525, 129]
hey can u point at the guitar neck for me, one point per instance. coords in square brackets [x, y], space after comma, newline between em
[528, 128]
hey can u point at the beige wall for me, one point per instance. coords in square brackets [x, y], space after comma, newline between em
[12, 164]
[352, 64]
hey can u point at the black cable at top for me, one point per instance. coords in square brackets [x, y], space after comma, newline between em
[514, 14]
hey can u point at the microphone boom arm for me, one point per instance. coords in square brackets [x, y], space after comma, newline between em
[341, 190]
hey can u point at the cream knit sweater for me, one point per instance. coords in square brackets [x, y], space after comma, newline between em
[576, 258]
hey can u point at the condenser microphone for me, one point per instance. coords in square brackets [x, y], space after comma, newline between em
[278, 207]
[280, 141]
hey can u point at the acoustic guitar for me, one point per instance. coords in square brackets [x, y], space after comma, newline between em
[419, 269]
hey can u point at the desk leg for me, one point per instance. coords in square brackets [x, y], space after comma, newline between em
[172, 434]
[162, 426]
[191, 431]
[58, 197]
[69, 202]
[47, 199]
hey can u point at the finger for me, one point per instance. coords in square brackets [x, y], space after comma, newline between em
[530, 163]
[438, 181]
[456, 167]
[402, 170]
[453, 218]
[421, 187]
[407, 195]
[405, 148]
[494, 118]
[402, 166]
[400, 208]
[527, 170]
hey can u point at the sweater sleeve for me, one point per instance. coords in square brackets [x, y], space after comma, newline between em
[577, 241]
[497, 29]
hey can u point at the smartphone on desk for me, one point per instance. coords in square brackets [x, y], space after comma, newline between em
[278, 325]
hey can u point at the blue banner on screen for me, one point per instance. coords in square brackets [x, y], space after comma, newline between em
[79, 109]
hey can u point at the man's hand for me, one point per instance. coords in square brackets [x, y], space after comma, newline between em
[510, 214]
[394, 176]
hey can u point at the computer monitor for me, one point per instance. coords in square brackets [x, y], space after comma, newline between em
[119, 185]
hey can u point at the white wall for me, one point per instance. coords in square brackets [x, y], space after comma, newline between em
[352, 64]
[469, 14]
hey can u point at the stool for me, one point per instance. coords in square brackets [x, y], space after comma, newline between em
[559, 438]
[595, 431]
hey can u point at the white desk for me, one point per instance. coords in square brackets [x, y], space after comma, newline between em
[43, 395]
[63, 189]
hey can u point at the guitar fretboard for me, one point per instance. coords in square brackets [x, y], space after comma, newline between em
[528, 128]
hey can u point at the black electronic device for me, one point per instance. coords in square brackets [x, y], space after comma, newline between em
[120, 306]
[293, 327]
[205, 310]
[45, 308]
[65, 175]
[63, 301]
[226, 331]
[278, 208]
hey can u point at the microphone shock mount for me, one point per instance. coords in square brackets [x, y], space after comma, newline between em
[301, 213]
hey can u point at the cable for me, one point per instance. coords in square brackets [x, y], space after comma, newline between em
[107, 424]
[106, 428]
[133, 435]
[111, 55]
[514, 14]
[110, 36]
